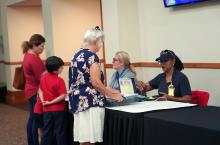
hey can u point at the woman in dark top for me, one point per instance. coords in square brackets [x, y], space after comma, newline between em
[172, 84]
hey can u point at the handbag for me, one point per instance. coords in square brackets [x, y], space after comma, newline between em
[19, 79]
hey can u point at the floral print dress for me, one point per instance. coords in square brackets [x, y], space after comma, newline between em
[84, 95]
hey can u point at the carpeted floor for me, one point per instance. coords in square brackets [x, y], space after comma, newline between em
[13, 122]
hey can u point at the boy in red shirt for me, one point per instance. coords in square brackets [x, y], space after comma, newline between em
[54, 91]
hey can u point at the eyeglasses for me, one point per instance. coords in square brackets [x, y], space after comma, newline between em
[115, 59]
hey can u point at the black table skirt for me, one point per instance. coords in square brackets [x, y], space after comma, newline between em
[184, 126]
[187, 126]
[123, 128]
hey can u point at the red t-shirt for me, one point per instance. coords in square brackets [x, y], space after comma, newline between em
[38, 108]
[33, 67]
[52, 86]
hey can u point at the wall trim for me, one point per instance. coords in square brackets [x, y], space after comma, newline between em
[12, 62]
[102, 26]
[202, 65]
[195, 65]
[68, 63]
[186, 65]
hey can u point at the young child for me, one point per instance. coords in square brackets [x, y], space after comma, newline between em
[54, 91]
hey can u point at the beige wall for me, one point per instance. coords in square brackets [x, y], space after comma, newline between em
[70, 20]
[2, 66]
[191, 31]
[4, 24]
[47, 23]
[22, 22]
[64, 23]
[121, 26]
[2, 73]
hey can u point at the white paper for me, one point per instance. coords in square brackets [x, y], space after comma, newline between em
[146, 106]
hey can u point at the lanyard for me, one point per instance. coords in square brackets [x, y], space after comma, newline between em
[119, 75]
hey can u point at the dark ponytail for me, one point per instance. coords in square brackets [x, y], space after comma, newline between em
[35, 40]
[178, 63]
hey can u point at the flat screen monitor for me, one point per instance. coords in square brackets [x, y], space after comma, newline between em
[171, 3]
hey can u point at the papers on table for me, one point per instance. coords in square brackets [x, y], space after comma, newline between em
[127, 87]
[139, 107]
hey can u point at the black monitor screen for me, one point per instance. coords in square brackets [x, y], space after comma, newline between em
[170, 3]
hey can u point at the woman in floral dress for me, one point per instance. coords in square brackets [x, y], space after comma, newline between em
[88, 98]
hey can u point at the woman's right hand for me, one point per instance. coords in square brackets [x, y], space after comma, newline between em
[117, 96]
[113, 90]
[45, 103]
[141, 86]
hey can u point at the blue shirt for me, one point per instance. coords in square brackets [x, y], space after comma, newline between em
[84, 95]
[179, 81]
[126, 73]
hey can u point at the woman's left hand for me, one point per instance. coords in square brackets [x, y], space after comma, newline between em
[166, 97]
[163, 98]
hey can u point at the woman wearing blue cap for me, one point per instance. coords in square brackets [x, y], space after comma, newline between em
[172, 84]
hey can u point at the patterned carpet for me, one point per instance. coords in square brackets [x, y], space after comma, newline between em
[13, 120]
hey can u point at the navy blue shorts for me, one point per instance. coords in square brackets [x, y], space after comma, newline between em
[39, 120]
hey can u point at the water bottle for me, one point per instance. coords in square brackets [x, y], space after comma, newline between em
[171, 89]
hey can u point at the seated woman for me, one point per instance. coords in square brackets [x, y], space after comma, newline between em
[123, 67]
[171, 84]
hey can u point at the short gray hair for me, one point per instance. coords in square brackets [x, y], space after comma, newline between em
[92, 35]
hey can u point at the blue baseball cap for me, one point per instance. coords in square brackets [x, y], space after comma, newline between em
[165, 55]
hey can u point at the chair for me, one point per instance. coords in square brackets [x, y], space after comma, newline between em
[200, 97]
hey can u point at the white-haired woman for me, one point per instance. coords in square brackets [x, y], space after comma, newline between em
[124, 69]
[88, 99]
